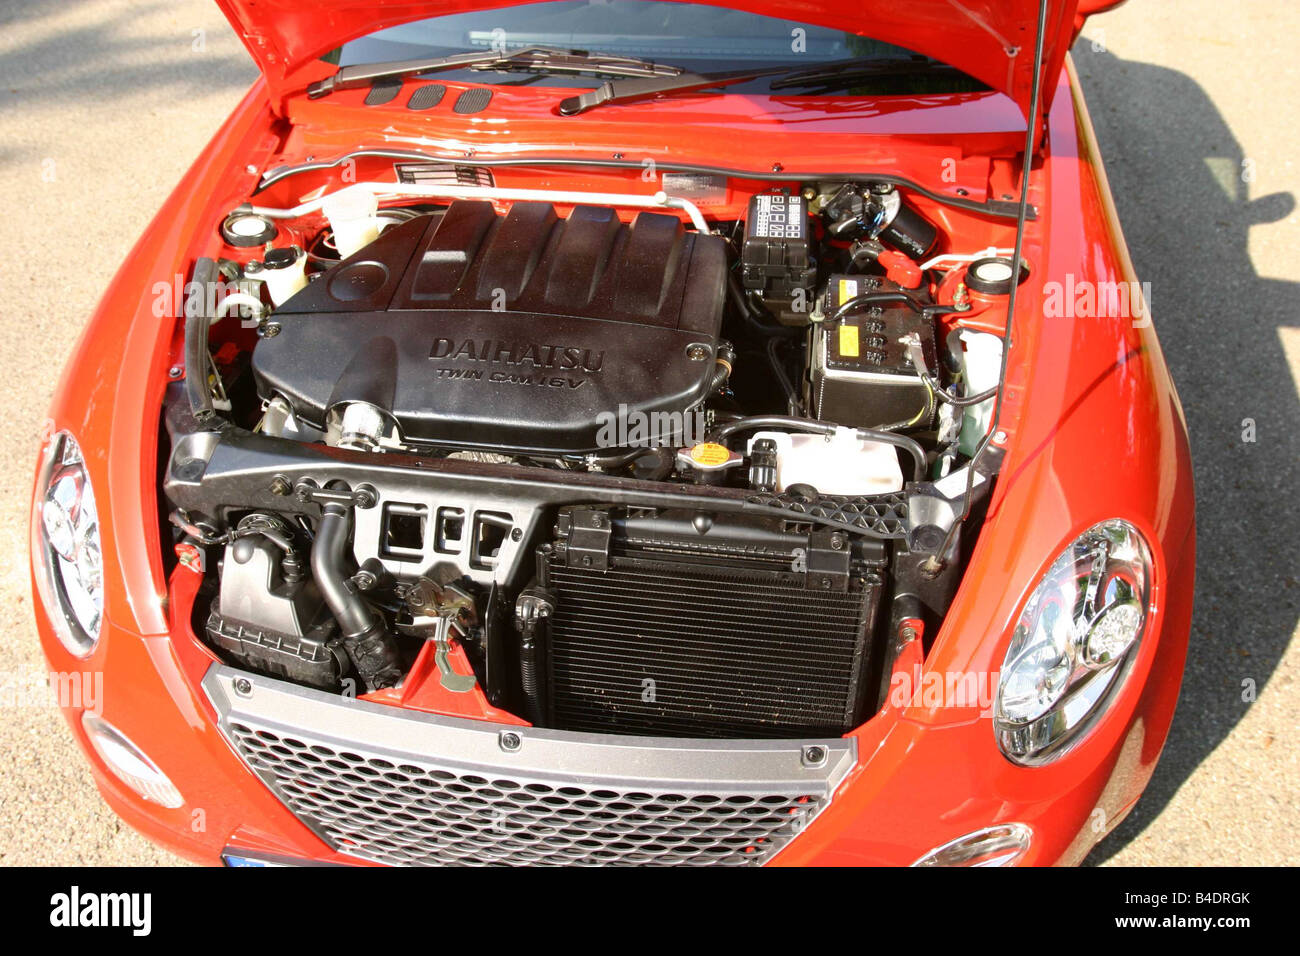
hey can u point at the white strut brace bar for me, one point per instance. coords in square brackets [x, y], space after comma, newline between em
[659, 200]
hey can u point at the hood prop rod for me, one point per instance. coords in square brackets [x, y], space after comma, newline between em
[935, 562]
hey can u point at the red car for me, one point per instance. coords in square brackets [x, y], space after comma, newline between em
[610, 431]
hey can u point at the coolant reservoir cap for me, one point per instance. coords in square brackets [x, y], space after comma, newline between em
[709, 455]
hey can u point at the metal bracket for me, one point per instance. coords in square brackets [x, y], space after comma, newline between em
[438, 612]
[362, 496]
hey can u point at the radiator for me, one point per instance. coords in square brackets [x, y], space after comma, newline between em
[679, 625]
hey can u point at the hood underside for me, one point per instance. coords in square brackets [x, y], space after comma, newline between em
[991, 40]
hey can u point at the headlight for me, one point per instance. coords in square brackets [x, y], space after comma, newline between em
[1073, 642]
[66, 547]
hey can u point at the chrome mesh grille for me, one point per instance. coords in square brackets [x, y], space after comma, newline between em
[422, 814]
[412, 808]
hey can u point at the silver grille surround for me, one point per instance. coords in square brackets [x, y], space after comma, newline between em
[406, 788]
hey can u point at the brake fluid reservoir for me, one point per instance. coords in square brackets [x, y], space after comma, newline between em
[352, 215]
[839, 464]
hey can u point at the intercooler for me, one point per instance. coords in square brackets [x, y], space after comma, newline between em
[674, 624]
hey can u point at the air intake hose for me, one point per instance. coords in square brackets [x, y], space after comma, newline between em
[366, 639]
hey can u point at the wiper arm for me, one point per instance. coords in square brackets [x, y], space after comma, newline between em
[548, 59]
[845, 72]
[623, 91]
[827, 74]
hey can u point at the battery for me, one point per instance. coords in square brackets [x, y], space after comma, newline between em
[861, 374]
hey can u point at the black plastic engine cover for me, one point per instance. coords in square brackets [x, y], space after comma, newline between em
[513, 332]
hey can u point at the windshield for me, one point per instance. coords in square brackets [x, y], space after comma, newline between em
[696, 37]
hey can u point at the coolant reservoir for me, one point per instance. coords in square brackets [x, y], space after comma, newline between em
[982, 369]
[284, 272]
[839, 464]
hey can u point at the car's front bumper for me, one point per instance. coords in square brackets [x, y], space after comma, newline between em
[401, 787]
[275, 769]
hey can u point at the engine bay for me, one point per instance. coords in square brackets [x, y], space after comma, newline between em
[604, 461]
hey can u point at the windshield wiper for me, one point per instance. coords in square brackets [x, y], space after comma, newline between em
[541, 58]
[623, 91]
[828, 75]
[842, 73]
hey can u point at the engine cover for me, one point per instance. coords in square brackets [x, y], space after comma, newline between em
[511, 333]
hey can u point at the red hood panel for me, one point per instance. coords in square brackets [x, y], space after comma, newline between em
[992, 40]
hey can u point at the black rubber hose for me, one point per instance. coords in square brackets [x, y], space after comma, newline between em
[198, 323]
[662, 454]
[775, 334]
[720, 376]
[532, 609]
[662, 467]
[737, 295]
[365, 635]
[725, 362]
[353, 614]
[753, 319]
[617, 460]
[909, 445]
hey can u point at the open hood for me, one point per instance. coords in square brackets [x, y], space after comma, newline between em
[992, 40]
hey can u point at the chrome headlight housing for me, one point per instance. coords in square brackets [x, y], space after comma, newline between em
[66, 547]
[1073, 642]
[129, 763]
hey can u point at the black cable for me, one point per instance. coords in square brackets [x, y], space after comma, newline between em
[886, 298]
[783, 377]
[965, 401]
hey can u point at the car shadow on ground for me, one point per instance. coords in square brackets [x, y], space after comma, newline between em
[1182, 187]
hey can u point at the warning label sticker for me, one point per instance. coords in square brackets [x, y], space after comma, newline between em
[710, 454]
[778, 216]
[849, 341]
